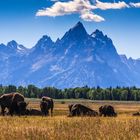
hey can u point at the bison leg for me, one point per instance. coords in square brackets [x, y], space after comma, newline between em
[51, 111]
[11, 111]
[46, 113]
[73, 113]
[3, 110]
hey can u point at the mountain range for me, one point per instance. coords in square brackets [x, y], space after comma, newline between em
[75, 60]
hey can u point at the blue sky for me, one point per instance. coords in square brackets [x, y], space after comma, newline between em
[18, 21]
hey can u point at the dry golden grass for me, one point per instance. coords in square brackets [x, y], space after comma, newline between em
[61, 127]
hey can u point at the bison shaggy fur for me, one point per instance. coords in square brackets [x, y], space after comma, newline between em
[44, 108]
[107, 110]
[81, 110]
[50, 103]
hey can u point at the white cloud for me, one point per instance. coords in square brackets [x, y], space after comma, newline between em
[65, 8]
[136, 5]
[82, 7]
[108, 5]
[90, 16]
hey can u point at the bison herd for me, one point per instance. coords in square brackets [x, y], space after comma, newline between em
[16, 105]
[82, 110]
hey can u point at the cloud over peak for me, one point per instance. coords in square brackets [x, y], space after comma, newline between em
[84, 8]
[90, 16]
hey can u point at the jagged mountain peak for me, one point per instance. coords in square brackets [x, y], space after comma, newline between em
[97, 34]
[43, 45]
[15, 46]
[57, 41]
[79, 28]
[130, 59]
[78, 32]
[123, 56]
[2, 45]
[45, 38]
[12, 44]
[79, 25]
[45, 41]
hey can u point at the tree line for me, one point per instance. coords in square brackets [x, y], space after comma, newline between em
[95, 93]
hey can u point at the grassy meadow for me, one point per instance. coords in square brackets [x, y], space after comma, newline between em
[61, 127]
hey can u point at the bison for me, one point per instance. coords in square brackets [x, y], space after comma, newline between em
[136, 114]
[107, 110]
[33, 112]
[50, 103]
[81, 110]
[22, 107]
[18, 108]
[10, 100]
[44, 108]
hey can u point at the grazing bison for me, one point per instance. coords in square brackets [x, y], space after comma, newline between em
[81, 110]
[33, 112]
[136, 114]
[50, 103]
[22, 107]
[10, 101]
[18, 108]
[107, 110]
[44, 108]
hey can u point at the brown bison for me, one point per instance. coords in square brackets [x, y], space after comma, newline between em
[10, 101]
[44, 108]
[18, 108]
[107, 110]
[81, 110]
[136, 114]
[33, 112]
[50, 103]
[21, 107]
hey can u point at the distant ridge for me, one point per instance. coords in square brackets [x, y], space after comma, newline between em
[75, 60]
